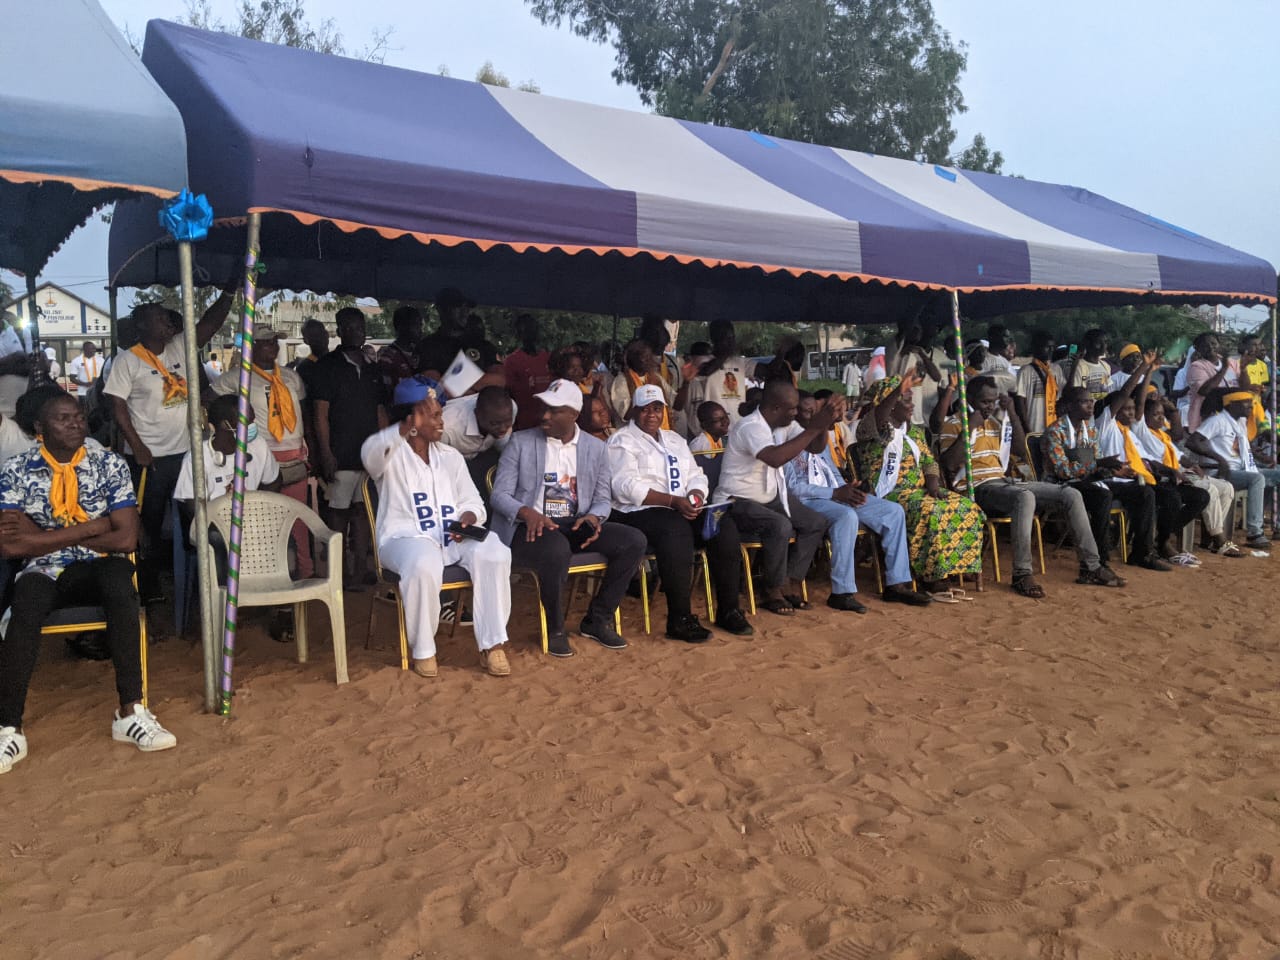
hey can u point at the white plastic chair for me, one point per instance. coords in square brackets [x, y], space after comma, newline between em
[264, 566]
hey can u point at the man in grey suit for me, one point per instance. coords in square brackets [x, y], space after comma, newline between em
[551, 499]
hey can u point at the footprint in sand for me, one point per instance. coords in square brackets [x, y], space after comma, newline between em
[847, 950]
[816, 889]
[795, 841]
[648, 876]
[668, 932]
[700, 909]
[1189, 943]
[1053, 947]
[549, 859]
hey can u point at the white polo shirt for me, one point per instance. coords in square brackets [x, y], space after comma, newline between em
[462, 432]
[743, 475]
[162, 427]
[260, 400]
[639, 463]
[84, 370]
[220, 471]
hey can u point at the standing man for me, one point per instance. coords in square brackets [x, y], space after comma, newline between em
[276, 394]
[1087, 368]
[758, 449]
[653, 331]
[527, 372]
[723, 378]
[437, 350]
[478, 426]
[1036, 393]
[851, 378]
[350, 406]
[147, 390]
[69, 512]
[15, 363]
[84, 371]
[399, 359]
[551, 499]
[642, 366]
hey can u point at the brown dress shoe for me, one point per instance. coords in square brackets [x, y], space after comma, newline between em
[426, 668]
[495, 662]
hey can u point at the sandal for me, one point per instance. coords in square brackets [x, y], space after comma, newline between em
[943, 596]
[797, 602]
[1229, 549]
[958, 594]
[779, 606]
[1026, 586]
[1184, 560]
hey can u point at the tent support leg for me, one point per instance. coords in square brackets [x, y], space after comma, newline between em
[195, 431]
[33, 325]
[963, 392]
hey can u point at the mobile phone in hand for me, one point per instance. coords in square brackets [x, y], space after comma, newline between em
[473, 532]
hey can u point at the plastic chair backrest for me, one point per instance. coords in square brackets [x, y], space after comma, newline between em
[268, 525]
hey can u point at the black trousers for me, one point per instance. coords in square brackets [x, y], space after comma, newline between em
[1139, 502]
[1097, 504]
[672, 539]
[772, 526]
[550, 555]
[162, 478]
[1176, 506]
[105, 582]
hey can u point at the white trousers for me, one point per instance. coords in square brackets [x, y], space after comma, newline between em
[420, 564]
[1222, 496]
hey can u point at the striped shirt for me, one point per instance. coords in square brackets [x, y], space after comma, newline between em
[986, 449]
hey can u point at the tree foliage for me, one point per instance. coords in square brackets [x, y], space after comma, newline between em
[284, 22]
[496, 78]
[876, 75]
[1156, 327]
[977, 156]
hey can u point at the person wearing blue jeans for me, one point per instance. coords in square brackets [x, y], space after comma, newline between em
[814, 480]
[1223, 438]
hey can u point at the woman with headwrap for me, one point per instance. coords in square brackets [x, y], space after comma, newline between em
[944, 529]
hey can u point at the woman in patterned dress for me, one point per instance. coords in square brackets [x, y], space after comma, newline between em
[944, 529]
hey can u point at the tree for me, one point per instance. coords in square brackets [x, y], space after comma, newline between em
[977, 157]
[285, 22]
[875, 75]
[1168, 329]
[496, 78]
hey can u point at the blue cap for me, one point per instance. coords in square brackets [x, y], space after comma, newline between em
[416, 389]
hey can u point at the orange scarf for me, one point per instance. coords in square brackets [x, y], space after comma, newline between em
[281, 417]
[1050, 392]
[715, 444]
[638, 381]
[1170, 458]
[1132, 457]
[839, 456]
[175, 387]
[64, 489]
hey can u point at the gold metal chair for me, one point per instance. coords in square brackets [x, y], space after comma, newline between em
[387, 589]
[699, 556]
[89, 619]
[750, 547]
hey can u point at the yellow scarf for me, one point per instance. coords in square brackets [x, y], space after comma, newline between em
[64, 489]
[175, 387]
[1132, 457]
[281, 417]
[639, 381]
[839, 456]
[1170, 458]
[1050, 392]
[715, 444]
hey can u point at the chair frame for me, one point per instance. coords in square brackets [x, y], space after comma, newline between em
[1117, 513]
[754, 546]
[699, 555]
[93, 626]
[392, 587]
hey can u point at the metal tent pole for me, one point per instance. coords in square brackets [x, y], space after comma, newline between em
[241, 460]
[33, 332]
[963, 391]
[195, 431]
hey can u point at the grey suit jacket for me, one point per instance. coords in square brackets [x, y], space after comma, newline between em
[519, 480]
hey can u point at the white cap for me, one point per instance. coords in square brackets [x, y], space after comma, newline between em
[646, 394]
[562, 393]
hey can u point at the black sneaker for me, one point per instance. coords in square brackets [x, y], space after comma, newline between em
[558, 645]
[602, 633]
[735, 622]
[687, 629]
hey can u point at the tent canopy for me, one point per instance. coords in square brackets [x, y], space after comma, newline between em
[91, 129]
[383, 182]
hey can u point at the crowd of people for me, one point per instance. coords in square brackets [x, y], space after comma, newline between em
[617, 458]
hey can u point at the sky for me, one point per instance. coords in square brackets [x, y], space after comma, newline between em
[1170, 107]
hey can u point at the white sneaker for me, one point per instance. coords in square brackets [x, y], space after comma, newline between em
[142, 729]
[13, 747]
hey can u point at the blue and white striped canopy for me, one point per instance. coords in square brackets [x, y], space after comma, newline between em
[537, 183]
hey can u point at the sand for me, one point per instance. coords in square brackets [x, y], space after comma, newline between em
[1095, 778]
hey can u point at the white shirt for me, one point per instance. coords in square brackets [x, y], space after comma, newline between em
[560, 478]
[1111, 441]
[415, 498]
[12, 440]
[260, 400]
[638, 463]
[1150, 447]
[851, 378]
[220, 471]
[727, 387]
[743, 474]
[163, 428]
[702, 443]
[462, 432]
[1228, 438]
[84, 370]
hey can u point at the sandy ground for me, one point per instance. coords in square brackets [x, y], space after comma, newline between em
[1095, 775]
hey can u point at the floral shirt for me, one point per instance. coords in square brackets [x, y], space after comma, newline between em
[104, 487]
[1058, 440]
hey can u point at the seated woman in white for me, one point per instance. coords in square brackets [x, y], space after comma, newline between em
[425, 497]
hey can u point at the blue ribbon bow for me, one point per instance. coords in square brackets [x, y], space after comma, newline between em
[188, 218]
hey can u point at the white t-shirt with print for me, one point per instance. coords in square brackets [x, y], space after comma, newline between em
[260, 400]
[161, 426]
[1229, 439]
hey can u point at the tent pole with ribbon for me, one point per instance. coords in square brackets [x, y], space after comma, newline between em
[237, 487]
[962, 390]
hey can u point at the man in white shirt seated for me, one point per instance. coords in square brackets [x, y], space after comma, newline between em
[758, 449]
[261, 470]
[1223, 438]
[659, 489]
[478, 426]
[552, 499]
[429, 516]
[1129, 357]
[813, 478]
